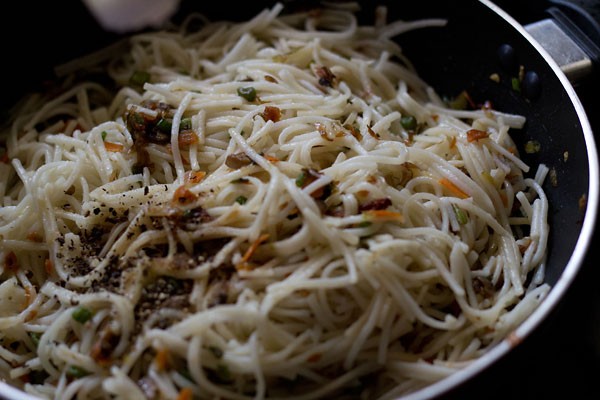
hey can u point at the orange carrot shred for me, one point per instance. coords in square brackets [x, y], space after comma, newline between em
[194, 176]
[475, 134]
[271, 158]
[183, 196]
[453, 188]
[384, 215]
[453, 142]
[253, 247]
[28, 296]
[113, 147]
[161, 359]
[187, 138]
[48, 266]
[185, 394]
[34, 237]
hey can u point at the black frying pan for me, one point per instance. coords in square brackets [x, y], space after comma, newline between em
[460, 56]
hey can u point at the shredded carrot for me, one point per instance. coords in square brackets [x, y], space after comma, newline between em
[185, 394]
[453, 142]
[474, 135]
[384, 215]
[161, 359]
[187, 138]
[102, 349]
[183, 196]
[113, 147]
[193, 177]
[271, 159]
[31, 315]
[28, 296]
[372, 132]
[34, 237]
[453, 188]
[48, 266]
[5, 159]
[246, 257]
[354, 132]
[314, 357]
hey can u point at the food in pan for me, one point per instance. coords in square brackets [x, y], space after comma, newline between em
[274, 208]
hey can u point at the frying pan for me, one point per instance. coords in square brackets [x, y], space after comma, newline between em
[461, 56]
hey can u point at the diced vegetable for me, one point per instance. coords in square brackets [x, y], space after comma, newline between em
[164, 125]
[408, 122]
[139, 78]
[76, 372]
[247, 92]
[461, 215]
[82, 314]
[241, 200]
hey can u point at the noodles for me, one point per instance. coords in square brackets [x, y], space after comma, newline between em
[274, 208]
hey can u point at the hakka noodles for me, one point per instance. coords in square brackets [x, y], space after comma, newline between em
[267, 209]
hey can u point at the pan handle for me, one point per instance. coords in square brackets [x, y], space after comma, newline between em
[571, 35]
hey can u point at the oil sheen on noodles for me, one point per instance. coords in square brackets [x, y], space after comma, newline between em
[268, 209]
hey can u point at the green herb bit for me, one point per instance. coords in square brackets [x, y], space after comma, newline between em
[247, 92]
[185, 124]
[164, 125]
[408, 122]
[461, 215]
[532, 147]
[82, 315]
[104, 134]
[516, 84]
[139, 78]
[241, 200]
[76, 372]
[300, 179]
[35, 337]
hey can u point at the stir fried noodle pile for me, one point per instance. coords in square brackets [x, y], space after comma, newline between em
[274, 208]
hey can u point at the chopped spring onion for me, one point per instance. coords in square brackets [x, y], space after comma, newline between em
[76, 372]
[408, 122]
[139, 78]
[247, 92]
[241, 200]
[82, 315]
